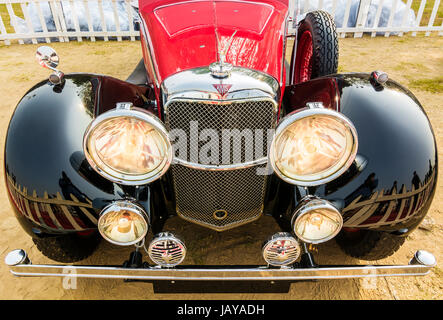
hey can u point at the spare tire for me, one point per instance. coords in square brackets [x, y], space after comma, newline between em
[317, 47]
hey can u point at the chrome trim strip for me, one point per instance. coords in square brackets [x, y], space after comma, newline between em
[221, 102]
[238, 273]
[210, 167]
[199, 84]
[285, 35]
[153, 63]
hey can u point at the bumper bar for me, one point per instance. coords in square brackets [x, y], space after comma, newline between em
[20, 265]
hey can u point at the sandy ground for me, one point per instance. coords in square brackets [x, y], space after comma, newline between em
[405, 59]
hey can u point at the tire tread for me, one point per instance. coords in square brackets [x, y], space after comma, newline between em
[374, 245]
[325, 43]
[69, 248]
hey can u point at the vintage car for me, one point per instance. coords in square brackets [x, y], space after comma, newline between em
[215, 129]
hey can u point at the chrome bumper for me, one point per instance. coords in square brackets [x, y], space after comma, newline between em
[20, 265]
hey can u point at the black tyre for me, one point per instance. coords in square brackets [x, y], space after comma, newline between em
[70, 248]
[317, 47]
[369, 245]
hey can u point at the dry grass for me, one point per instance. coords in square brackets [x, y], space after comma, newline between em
[427, 12]
[434, 85]
[5, 15]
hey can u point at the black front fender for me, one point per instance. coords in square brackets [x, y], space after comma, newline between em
[392, 183]
[51, 186]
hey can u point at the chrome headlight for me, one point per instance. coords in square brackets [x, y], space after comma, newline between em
[123, 223]
[316, 221]
[313, 146]
[128, 145]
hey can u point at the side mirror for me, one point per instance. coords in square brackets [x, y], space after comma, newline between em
[48, 58]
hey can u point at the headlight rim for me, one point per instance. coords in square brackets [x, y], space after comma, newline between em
[114, 175]
[128, 206]
[310, 204]
[299, 114]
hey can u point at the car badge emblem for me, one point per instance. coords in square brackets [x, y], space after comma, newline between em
[223, 89]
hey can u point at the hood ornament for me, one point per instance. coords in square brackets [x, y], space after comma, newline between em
[222, 69]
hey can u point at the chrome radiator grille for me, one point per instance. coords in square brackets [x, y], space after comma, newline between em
[221, 199]
[236, 195]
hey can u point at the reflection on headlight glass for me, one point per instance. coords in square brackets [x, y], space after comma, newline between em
[317, 225]
[122, 226]
[128, 145]
[313, 145]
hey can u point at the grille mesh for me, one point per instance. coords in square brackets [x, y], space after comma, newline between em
[239, 192]
[200, 193]
[235, 117]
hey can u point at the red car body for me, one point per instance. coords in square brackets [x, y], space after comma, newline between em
[183, 35]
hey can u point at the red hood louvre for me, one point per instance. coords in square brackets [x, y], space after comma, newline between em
[183, 34]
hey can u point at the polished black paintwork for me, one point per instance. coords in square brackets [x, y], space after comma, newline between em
[396, 145]
[51, 186]
[53, 190]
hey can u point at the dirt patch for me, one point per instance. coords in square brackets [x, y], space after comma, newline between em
[406, 59]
